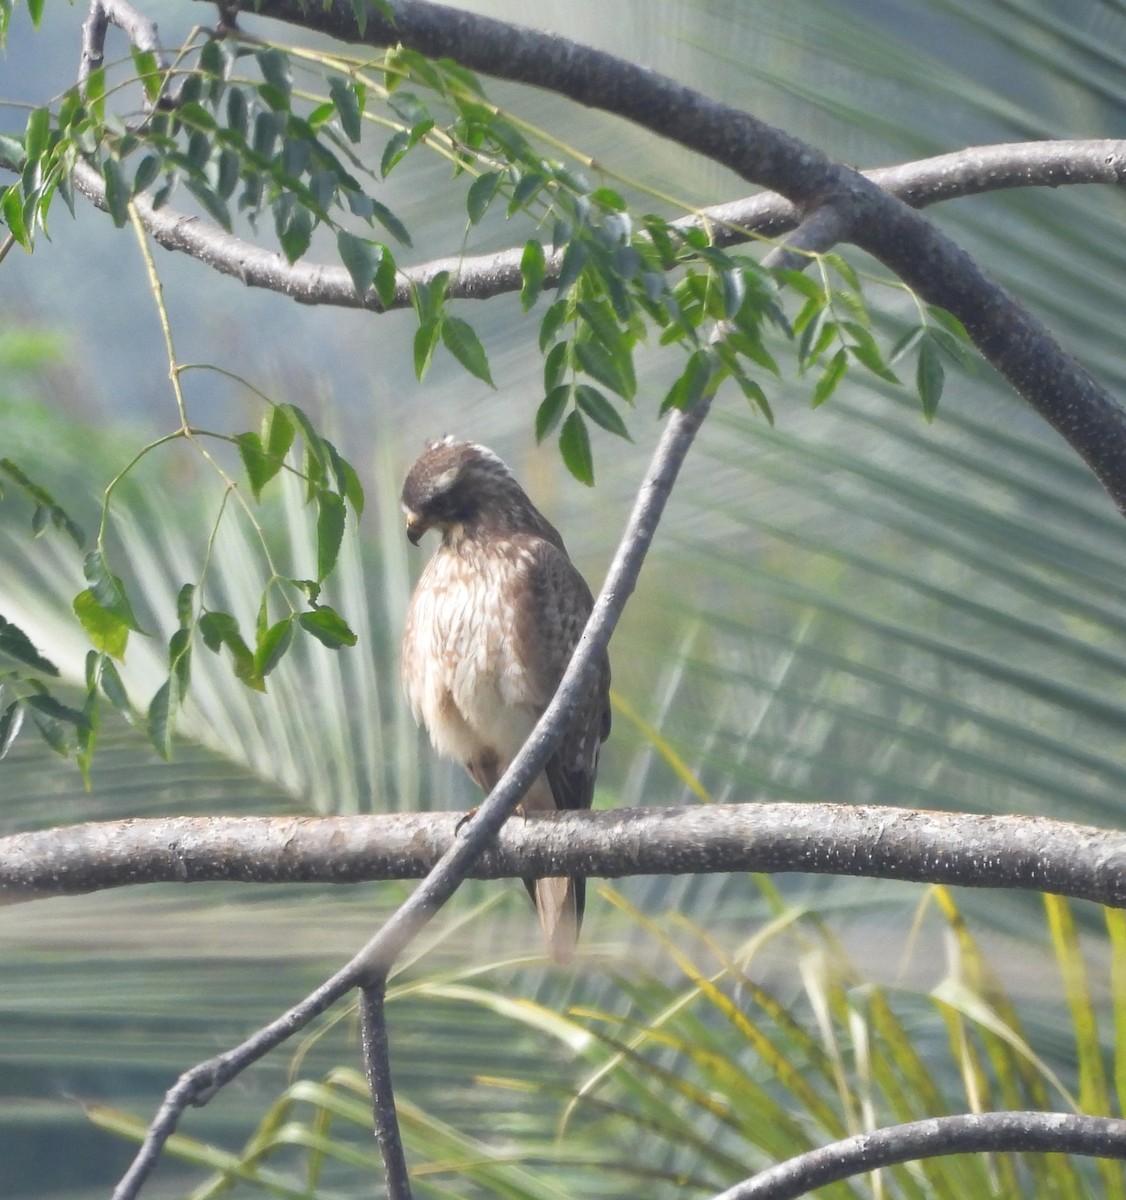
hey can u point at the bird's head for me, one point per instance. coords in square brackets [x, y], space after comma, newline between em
[453, 484]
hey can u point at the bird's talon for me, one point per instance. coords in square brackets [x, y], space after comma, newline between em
[468, 817]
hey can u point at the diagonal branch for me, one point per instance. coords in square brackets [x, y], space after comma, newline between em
[964, 1133]
[370, 966]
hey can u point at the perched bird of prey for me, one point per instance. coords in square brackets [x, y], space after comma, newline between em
[490, 630]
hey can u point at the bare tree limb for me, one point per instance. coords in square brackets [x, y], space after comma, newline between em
[377, 1065]
[969, 1133]
[971, 172]
[139, 29]
[371, 964]
[1038, 853]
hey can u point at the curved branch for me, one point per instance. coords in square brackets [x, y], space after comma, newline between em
[971, 172]
[969, 1133]
[1037, 853]
[1016, 343]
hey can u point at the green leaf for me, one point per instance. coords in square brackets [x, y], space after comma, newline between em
[11, 719]
[551, 410]
[832, 375]
[608, 198]
[53, 731]
[274, 65]
[844, 270]
[328, 627]
[532, 273]
[425, 339]
[528, 185]
[238, 112]
[603, 324]
[347, 481]
[950, 323]
[349, 101]
[385, 278]
[217, 628]
[753, 391]
[613, 370]
[96, 93]
[117, 192]
[272, 645]
[162, 716]
[691, 385]
[929, 378]
[574, 259]
[45, 703]
[553, 321]
[574, 445]
[295, 233]
[802, 283]
[108, 589]
[36, 134]
[280, 432]
[361, 257]
[11, 207]
[734, 291]
[113, 688]
[220, 629]
[390, 222]
[481, 193]
[906, 341]
[600, 410]
[259, 468]
[555, 365]
[16, 644]
[148, 72]
[211, 202]
[147, 171]
[106, 630]
[180, 657]
[397, 146]
[230, 167]
[462, 342]
[330, 531]
[867, 352]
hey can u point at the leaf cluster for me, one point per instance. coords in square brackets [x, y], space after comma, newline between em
[104, 609]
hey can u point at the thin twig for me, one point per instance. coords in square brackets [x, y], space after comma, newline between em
[970, 1133]
[372, 963]
[377, 1066]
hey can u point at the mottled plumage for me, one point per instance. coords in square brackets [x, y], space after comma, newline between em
[491, 627]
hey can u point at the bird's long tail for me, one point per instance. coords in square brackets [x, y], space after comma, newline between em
[559, 902]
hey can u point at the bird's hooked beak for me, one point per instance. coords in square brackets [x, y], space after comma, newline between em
[417, 525]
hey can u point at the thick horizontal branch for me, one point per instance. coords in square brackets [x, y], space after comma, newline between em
[970, 172]
[891, 843]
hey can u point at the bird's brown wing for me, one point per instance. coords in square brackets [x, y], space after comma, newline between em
[558, 603]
